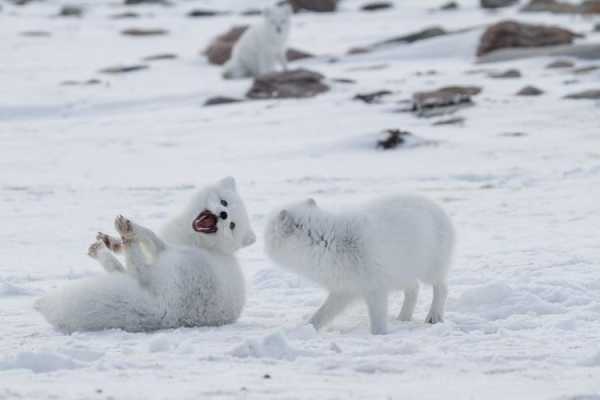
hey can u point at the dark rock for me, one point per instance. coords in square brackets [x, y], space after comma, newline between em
[497, 3]
[142, 2]
[314, 5]
[449, 6]
[378, 5]
[530, 91]
[160, 57]
[36, 34]
[344, 80]
[560, 7]
[590, 7]
[122, 69]
[218, 100]
[584, 51]
[358, 50]
[219, 50]
[125, 15]
[450, 121]
[70, 11]
[373, 97]
[509, 34]
[426, 33]
[395, 138]
[560, 64]
[442, 101]
[266, 376]
[508, 74]
[591, 94]
[144, 32]
[586, 70]
[513, 134]
[198, 13]
[299, 83]
[251, 12]
[597, 27]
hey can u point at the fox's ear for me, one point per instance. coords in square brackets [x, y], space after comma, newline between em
[228, 183]
[311, 202]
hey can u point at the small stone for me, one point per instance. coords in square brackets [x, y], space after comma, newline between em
[218, 100]
[560, 64]
[36, 33]
[508, 74]
[125, 15]
[378, 5]
[251, 12]
[295, 54]
[122, 69]
[144, 32]
[449, 6]
[160, 57]
[497, 3]
[586, 70]
[552, 6]
[299, 83]
[530, 91]
[450, 121]
[89, 82]
[597, 27]
[151, 2]
[591, 94]
[199, 13]
[266, 376]
[314, 5]
[395, 137]
[373, 97]
[70, 11]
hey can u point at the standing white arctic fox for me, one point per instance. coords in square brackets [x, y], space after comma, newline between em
[387, 245]
[191, 279]
[261, 46]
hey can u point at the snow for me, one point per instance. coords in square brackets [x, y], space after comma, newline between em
[523, 315]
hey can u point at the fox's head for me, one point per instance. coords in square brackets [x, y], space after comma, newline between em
[278, 18]
[217, 218]
[290, 228]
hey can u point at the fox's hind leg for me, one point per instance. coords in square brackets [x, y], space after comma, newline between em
[334, 305]
[436, 313]
[132, 236]
[100, 252]
[411, 295]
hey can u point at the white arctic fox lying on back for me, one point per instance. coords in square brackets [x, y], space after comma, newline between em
[193, 279]
[261, 46]
[387, 245]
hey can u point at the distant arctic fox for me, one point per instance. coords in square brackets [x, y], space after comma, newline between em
[384, 246]
[261, 46]
[191, 279]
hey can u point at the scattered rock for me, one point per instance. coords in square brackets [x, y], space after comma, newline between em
[530, 91]
[561, 7]
[89, 82]
[219, 50]
[314, 5]
[442, 101]
[198, 13]
[450, 121]
[449, 6]
[344, 80]
[140, 2]
[218, 100]
[591, 94]
[122, 69]
[395, 137]
[358, 50]
[373, 97]
[251, 12]
[70, 11]
[36, 34]
[299, 83]
[586, 70]
[125, 15]
[509, 34]
[560, 64]
[160, 57]
[497, 3]
[584, 51]
[426, 33]
[144, 32]
[378, 5]
[508, 74]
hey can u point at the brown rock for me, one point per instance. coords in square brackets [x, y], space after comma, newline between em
[70, 11]
[219, 50]
[372, 97]
[560, 7]
[376, 6]
[530, 91]
[122, 69]
[497, 3]
[299, 83]
[445, 100]
[160, 57]
[592, 94]
[508, 74]
[314, 5]
[450, 121]
[449, 6]
[141, 2]
[509, 34]
[426, 33]
[560, 64]
[201, 12]
[218, 100]
[144, 32]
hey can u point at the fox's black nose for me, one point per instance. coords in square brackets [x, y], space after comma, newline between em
[223, 215]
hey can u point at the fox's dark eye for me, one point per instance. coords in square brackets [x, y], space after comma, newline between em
[224, 203]
[232, 225]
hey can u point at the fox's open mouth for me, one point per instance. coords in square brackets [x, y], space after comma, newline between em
[206, 222]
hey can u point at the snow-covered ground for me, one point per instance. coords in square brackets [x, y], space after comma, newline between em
[523, 315]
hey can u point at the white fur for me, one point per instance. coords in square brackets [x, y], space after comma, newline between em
[193, 279]
[261, 46]
[387, 245]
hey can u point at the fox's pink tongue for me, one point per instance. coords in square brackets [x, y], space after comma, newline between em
[206, 222]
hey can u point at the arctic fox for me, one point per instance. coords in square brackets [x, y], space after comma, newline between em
[191, 279]
[261, 46]
[384, 246]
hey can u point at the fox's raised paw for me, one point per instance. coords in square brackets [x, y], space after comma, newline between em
[95, 248]
[110, 242]
[124, 227]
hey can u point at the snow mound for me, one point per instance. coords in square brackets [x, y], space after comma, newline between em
[593, 361]
[159, 344]
[7, 289]
[40, 362]
[274, 346]
[500, 301]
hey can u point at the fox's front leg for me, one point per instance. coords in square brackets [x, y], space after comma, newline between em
[132, 236]
[100, 252]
